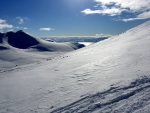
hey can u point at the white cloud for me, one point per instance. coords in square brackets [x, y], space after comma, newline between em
[2, 21]
[46, 29]
[17, 27]
[21, 20]
[140, 8]
[25, 28]
[20, 28]
[11, 30]
[133, 5]
[4, 25]
[89, 11]
[112, 11]
[103, 35]
[131, 19]
[145, 15]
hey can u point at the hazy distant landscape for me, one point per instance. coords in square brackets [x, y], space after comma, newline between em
[82, 40]
[74, 56]
[75, 39]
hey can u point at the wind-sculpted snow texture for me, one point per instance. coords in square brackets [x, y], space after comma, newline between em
[117, 100]
[110, 76]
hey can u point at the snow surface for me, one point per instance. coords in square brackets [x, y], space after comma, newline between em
[109, 76]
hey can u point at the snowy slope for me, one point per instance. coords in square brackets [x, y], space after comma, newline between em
[109, 76]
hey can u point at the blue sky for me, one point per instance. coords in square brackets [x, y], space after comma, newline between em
[72, 17]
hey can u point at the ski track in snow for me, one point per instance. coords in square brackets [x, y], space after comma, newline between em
[114, 100]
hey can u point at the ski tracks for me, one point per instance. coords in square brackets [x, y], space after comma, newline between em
[126, 99]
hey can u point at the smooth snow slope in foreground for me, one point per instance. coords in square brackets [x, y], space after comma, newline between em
[109, 76]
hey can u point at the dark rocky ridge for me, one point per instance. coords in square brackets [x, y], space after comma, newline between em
[21, 40]
[1, 36]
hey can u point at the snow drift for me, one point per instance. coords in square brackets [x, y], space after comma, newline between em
[109, 76]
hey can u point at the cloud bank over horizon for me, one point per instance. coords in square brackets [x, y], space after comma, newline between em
[135, 10]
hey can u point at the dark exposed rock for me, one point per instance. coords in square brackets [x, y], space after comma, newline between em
[21, 40]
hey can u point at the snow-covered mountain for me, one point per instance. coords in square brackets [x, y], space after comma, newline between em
[18, 48]
[110, 76]
[23, 40]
